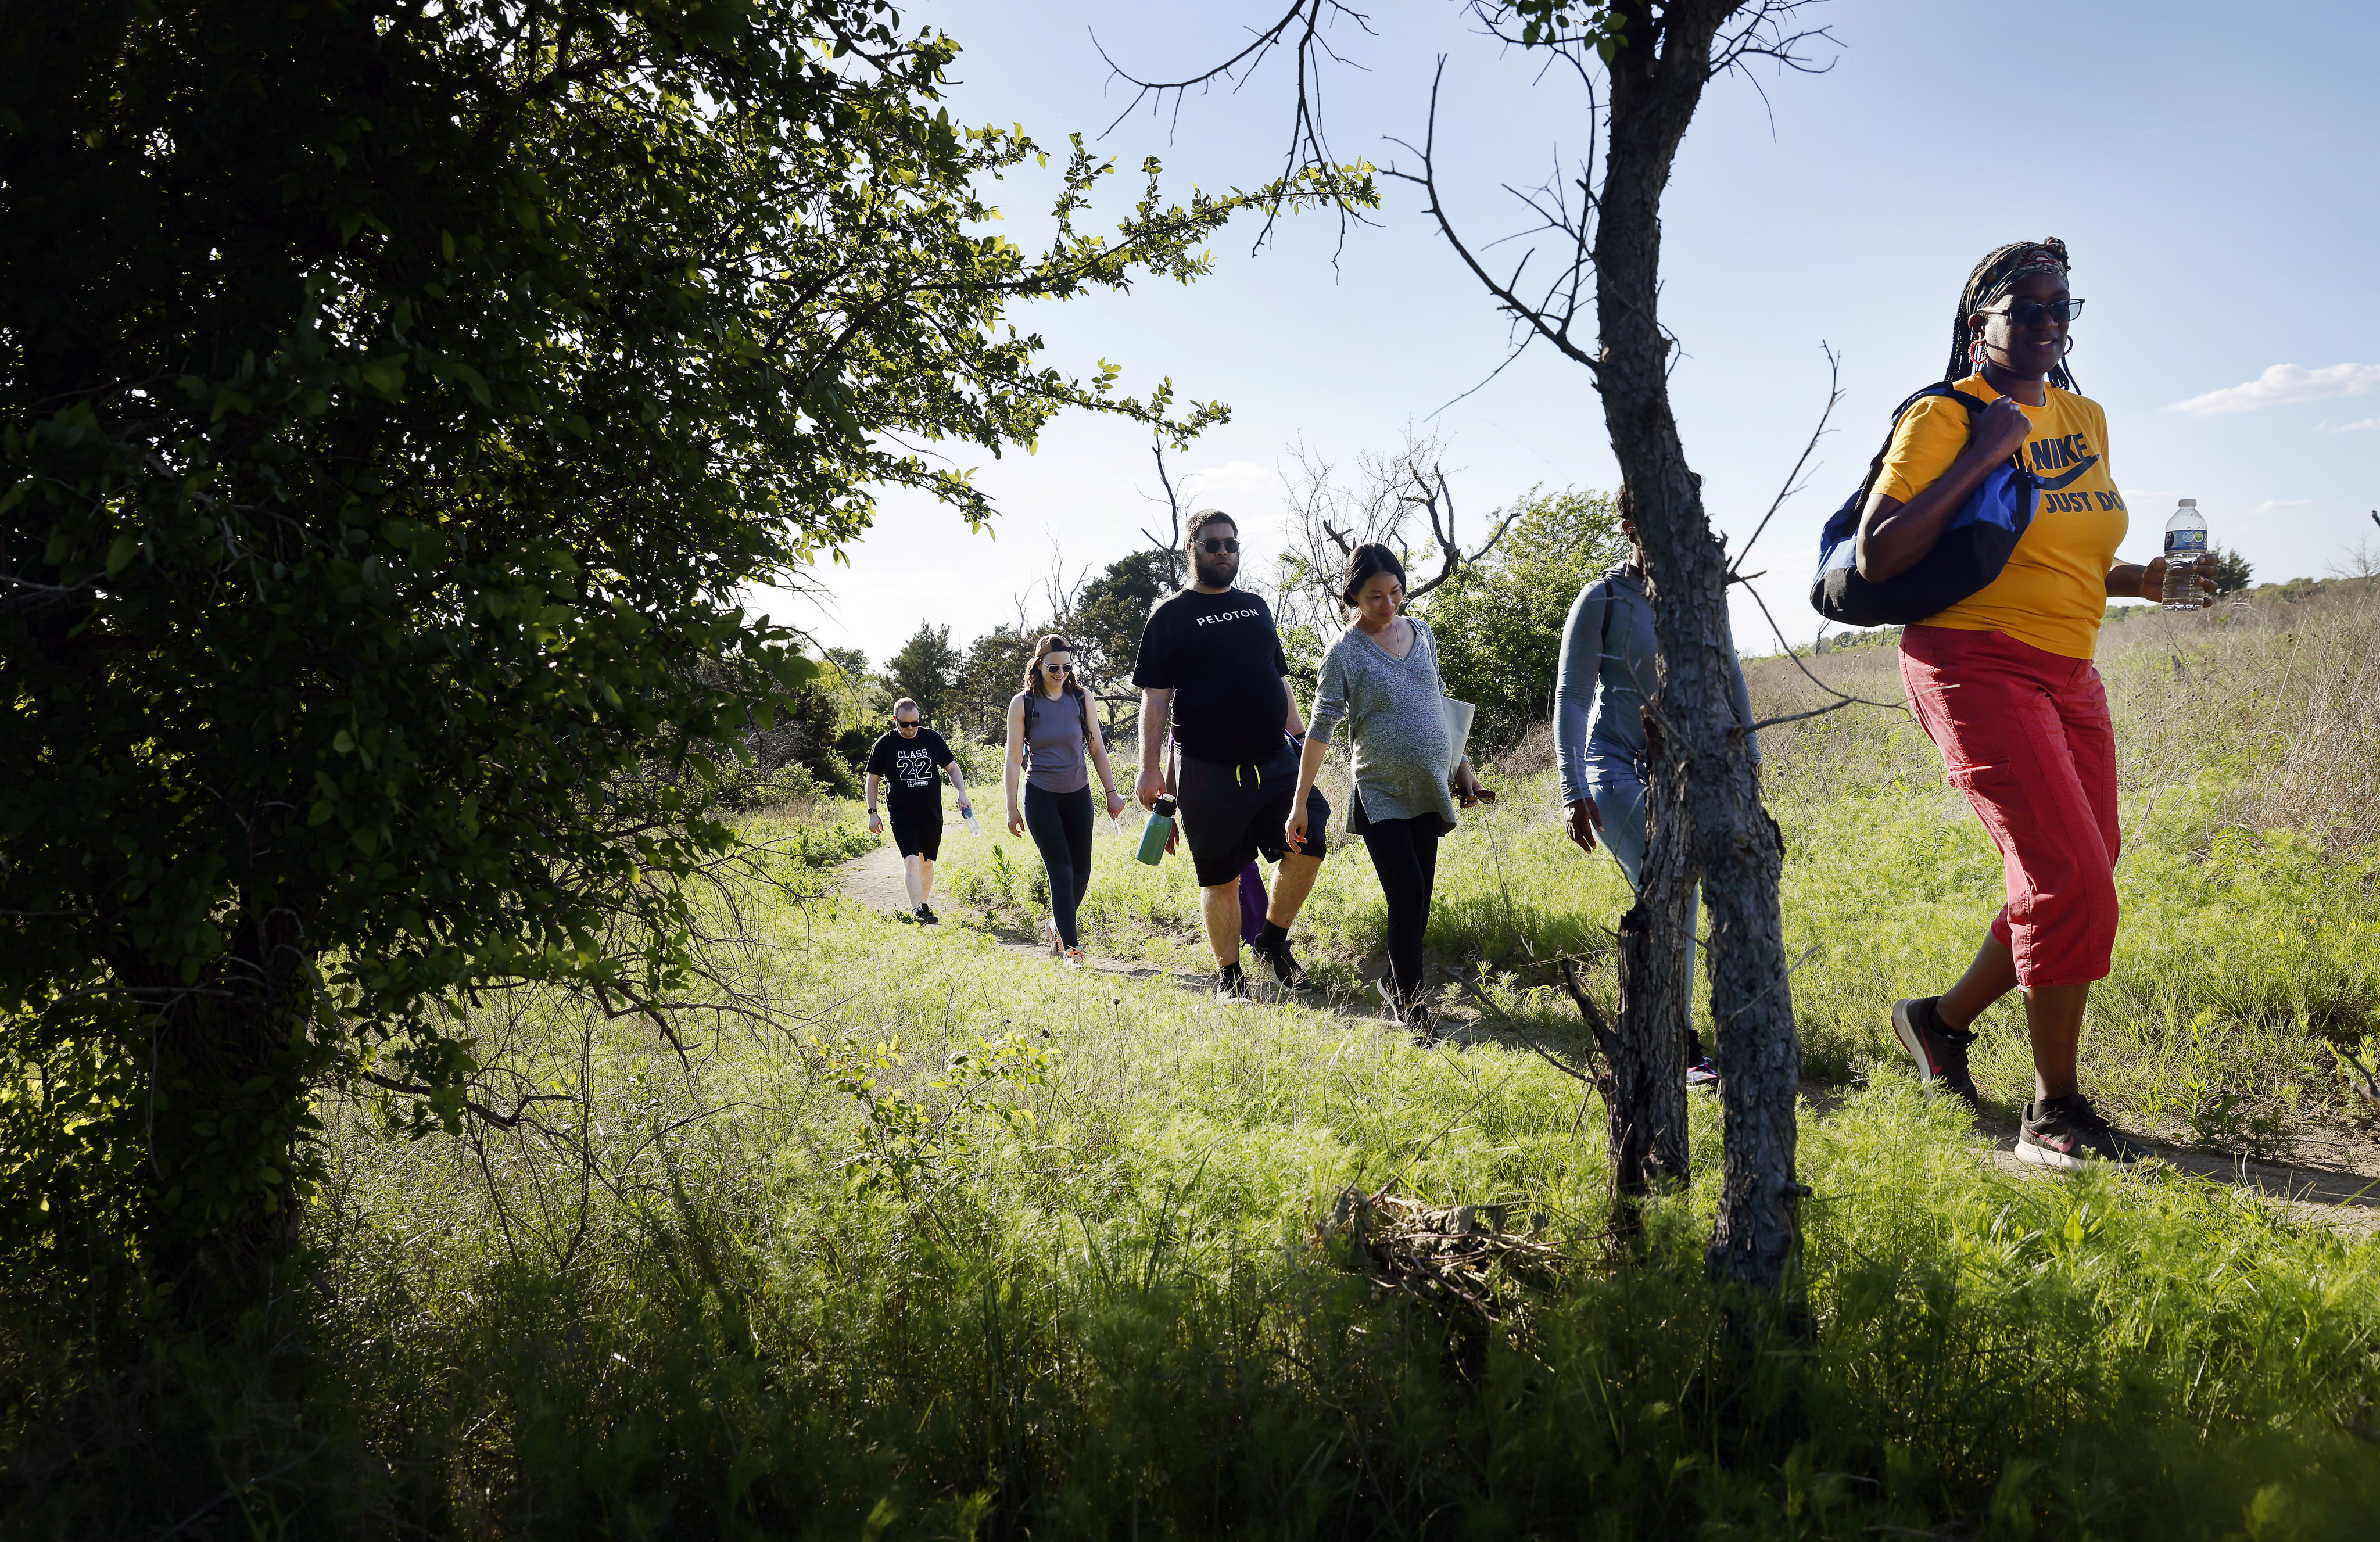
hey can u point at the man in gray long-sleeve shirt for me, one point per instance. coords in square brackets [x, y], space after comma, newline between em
[1606, 677]
[1599, 746]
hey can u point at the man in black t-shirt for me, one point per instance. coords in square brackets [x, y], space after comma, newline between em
[1210, 656]
[909, 762]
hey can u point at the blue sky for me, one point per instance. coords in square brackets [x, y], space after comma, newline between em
[2210, 167]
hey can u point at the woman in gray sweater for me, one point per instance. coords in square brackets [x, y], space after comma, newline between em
[1381, 680]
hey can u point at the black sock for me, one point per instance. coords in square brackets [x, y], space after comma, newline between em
[1272, 936]
[1693, 1048]
[1933, 1021]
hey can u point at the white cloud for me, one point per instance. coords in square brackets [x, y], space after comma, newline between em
[2284, 383]
[2274, 506]
[2348, 428]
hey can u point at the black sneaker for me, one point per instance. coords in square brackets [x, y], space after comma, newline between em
[926, 917]
[1281, 962]
[2068, 1134]
[1231, 984]
[1940, 1052]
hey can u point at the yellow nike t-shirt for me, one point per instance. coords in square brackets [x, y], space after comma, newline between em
[2054, 590]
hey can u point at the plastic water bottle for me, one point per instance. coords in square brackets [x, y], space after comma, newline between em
[972, 828]
[2185, 545]
[1156, 832]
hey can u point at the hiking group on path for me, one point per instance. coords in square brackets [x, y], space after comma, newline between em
[2000, 678]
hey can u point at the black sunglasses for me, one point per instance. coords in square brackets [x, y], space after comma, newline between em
[908, 723]
[1058, 669]
[1213, 544]
[2033, 313]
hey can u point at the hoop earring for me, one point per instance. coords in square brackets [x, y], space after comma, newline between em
[2068, 347]
[1977, 355]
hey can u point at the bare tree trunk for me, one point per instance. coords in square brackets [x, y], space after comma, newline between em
[1657, 82]
[1659, 57]
[1649, 1148]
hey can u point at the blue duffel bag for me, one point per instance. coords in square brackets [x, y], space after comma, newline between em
[1968, 554]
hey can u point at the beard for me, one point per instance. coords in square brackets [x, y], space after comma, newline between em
[1215, 572]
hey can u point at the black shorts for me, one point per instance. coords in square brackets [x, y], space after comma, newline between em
[919, 835]
[1233, 814]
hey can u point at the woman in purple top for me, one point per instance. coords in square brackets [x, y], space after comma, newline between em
[1051, 731]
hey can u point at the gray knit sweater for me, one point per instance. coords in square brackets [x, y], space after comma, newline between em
[1394, 712]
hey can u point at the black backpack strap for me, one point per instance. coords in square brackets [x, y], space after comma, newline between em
[1876, 466]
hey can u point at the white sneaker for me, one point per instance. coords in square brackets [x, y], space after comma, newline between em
[1076, 958]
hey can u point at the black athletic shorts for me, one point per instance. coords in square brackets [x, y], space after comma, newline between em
[920, 835]
[1233, 814]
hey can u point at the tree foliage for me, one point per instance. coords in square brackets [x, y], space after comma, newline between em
[395, 401]
[2230, 571]
[987, 675]
[1498, 623]
[925, 669]
[1109, 615]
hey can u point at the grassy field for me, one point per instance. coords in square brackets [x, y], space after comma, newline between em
[932, 1239]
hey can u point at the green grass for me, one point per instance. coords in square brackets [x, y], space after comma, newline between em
[931, 1240]
[717, 1298]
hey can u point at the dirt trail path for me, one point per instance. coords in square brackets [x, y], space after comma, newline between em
[2346, 1202]
[875, 880]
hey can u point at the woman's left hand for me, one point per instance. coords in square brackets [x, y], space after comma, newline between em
[1467, 790]
[1115, 804]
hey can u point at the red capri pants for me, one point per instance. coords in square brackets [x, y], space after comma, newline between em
[2026, 736]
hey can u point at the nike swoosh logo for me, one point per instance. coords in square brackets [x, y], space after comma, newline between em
[2051, 484]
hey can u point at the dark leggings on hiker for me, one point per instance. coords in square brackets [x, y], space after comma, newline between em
[1405, 853]
[1061, 826]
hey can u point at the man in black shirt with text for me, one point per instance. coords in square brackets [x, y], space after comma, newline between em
[910, 762]
[1210, 656]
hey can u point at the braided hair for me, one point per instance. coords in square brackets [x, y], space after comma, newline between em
[1993, 278]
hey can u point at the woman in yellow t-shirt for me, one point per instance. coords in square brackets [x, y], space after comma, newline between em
[2002, 682]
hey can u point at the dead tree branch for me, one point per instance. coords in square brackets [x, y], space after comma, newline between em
[1794, 479]
[502, 1121]
[1429, 492]
[1300, 30]
[1171, 544]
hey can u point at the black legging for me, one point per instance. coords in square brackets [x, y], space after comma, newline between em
[1405, 853]
[1061, 826]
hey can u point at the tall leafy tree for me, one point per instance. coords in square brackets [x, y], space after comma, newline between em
[1498, 620]
[990, 672]
[925, 669]
[2230, 571]
[1107, 616]
[393, 400]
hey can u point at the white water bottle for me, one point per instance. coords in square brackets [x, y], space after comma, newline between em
[2185, 545]
[972, 828]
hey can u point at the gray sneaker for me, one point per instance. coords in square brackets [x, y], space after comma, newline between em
[2068, 1134]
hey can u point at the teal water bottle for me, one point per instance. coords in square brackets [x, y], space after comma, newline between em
[1156, 832]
